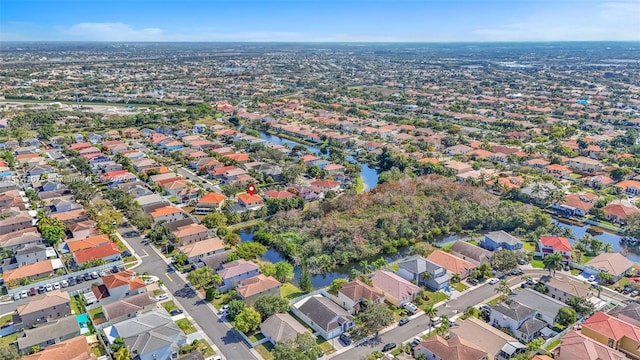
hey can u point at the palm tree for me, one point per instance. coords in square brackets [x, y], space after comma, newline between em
[608, 248]
[443, 328]
[503, 288]
[430, 312]
[553, 262]
[605, 277]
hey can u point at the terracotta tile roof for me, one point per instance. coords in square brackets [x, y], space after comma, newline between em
[453, 349]
[278, 194]
[450, 262]
[574, 345]
[325, 183]
[332, 167]
[123, 278]
[100, 291]
[98, 252]
[87, 243]
[42, 267]
[76, 348]
[165, 210]
[190, 229]
[69, 215]
[249, 199]
[611, 327]
[579, 201]
[256, 285]
[619, 210]
[556, 242]
[212, 198]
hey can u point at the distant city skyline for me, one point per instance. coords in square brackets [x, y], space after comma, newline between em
[320, 20]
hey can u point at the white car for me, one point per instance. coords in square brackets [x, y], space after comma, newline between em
[591, 278]
[56, 286]
[49, 287]
[493, 281]
[16, 297]
[24, 294]
[149, 281]
[64, 283]
[162, 297]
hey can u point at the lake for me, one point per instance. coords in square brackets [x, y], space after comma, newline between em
[368, 174]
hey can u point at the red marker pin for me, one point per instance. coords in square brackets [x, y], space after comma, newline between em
[251, 189]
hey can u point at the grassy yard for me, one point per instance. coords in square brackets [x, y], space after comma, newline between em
[326, 347]
[473, 242]
[8, 340]
[289, 291]
[621, 283]
[98, 350]
[222, 300]
[186, 326]
[537, 264]
[459, 286]
[6, 318]
[76, 307]
[169, 305]
[96, 313]
[493, 301]
[255, 336]
[394, 266]
[447, 246]
[553, 344]
[433, 298]
[265, 350]
[529, 246]
[575, 272]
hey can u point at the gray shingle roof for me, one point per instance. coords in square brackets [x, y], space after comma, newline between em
[500, 237]
[66, 327]
[543, 304]
[514, 311]
[324, 312]
[532, 326]
[471, 252]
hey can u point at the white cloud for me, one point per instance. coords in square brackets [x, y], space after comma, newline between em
[115, 31]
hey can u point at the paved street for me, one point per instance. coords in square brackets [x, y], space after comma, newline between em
[209, 186]
[219, 332]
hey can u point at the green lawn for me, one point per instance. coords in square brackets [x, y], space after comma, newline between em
[75, 306]
[255, 336]
[473, 242]
[529, 246]
[6, 318]
[621, 283]
[325, 345]
[537, 264]
[493, 301]
[96, 313]
[434, 298]
[8, 340]
[459, 286]
[265, 350]
[289, 291]
[575, 272]
[97, 349]
[447, 246]
[169, 305]
[186, 326]
[553, 344]
[394, 266]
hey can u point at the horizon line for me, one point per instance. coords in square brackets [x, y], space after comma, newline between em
[316, 42]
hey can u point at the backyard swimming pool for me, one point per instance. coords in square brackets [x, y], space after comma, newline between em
[83, 321]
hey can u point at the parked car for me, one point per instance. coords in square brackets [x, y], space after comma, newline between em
[389, 347]
[79, 279]
[56, 285]
[101, 273]
[175, 312]
[41, 289]
[517, 272]
[149, 281]
[591, 278]
[567, 268]
[531, 282]
[493, 281]
[24, 294]
[33, 291]
[72, 281]
[416, 341]
[144, 242]
[94, 275]
[49, 287]
[125, 253]
[346, 340]
[87, 277]
[115, 269]
[472, 281]
[64, 283]
[403, 321]
[162, 297]
[16, 297]
[411, 307]
[634, 293]
[435, 320]
[130, 234]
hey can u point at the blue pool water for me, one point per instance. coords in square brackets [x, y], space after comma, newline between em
[83, 321]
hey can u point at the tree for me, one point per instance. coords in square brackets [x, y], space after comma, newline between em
[430, 311]
[503, 289]
[232, 239]
[51, 229]
[35, 349]
[247, 320]
[443, 328]
[553, 262]
[201, 277]
[181, 259]
[250, 250]
[283, 271]
[235, 308]
[371, 320]
[505, 260]
[566, 316]
[9, 353]
[535, 345]
[581, 305]
[303, 347]
[305, 279]
[268, 305]
[214, 220]
[605, 277]
[336, 284]
[122, 354]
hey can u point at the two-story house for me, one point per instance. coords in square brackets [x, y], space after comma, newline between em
[41, 308]
[454, 265]
[250, 202]
[191, 233]
[554, 245]
[234, 272]
[209, 202]
[48, 334]
[396, 290]
[253, 288]
[519, 319]
[15, 223]
[355, 295]
[614, 333]
[424, 272]
[118, 286]
[199, 250]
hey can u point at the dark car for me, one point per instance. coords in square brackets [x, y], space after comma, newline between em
[41, 289]
[175, 312]
[125, 253]
[345, 340]
[472, 281]
[72, 281]
[403, 321]
[130, 234]
[389, 347]
[33, 291]
[144, 242]
[115, 269]
[87, 277]
[79, 279]
[517, 272]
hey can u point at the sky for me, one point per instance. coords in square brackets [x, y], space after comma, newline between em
[320, 20]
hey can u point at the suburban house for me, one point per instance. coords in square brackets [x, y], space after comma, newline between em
[118, 286]
[615, 264]
[585, 164]
[437, 347]
[108, 253]
[129, 307]
[200, 249]
[629, 312]
[23, 237]
[576, 204]
[396, 290]
[423, 271]
[249, 290]
[234, 272]
[470, 252]
[354, 295]
[452, 263]
[562, 288]
[546, 307]
[519, 319]
[500, 239]
[322, 186]
[614, 333]
[279, 327]
[53, 332]
[34, 271]
[548, 245]
[85, 243]
[209, 202]
[42, 308]
[618, 212]
[76, 348]
[324, 316]
[251, 202]
[631, 187]
[191, 233]
[167, 213]
[497, 344]
[150, 336]
[574, 345]
[20, 221]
